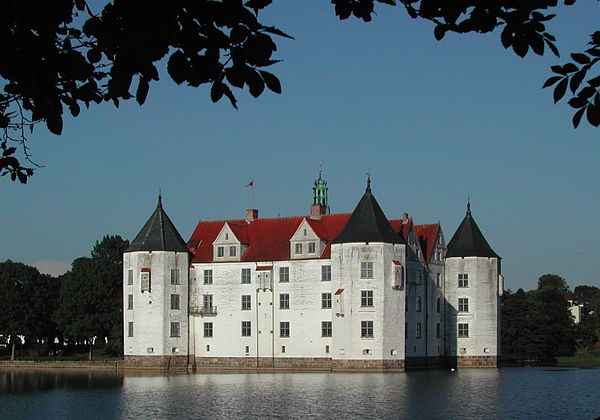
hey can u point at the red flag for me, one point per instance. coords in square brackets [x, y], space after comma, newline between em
[250, 184]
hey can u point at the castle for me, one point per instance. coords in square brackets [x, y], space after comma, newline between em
[321, 291]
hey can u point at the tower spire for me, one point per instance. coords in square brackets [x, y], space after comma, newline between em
[368, 181]
[320, 204]
[468, 206]
[159, 198]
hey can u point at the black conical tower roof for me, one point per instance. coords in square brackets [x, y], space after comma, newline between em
[158, 234]
[368, 223]
[468, 241]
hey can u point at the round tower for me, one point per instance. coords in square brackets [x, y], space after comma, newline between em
[155, 295]
[472, 272]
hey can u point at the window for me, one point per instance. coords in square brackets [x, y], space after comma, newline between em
[232, 251]
[438, 331]
[418, 330]
[311, 247]
[405, 303]
[284, 274]
[326, 329]
[298, 249]
[366, 270]
[438, 305]
[129, 301]
[220, 251]
[175, 277]
[463, 304]
[208, 277]
[418, 277]
[246, 330]
[207, 302]
[208, 329]
[326, 300]
[418, 304]
[326, 273]
[282, 349]
[247, 349]
[463, 280]
[463, 330]
[129, 277]
[284, 301]
[366, 298]
[326, 349]
[175, 302]
[284, 329]
[130, 329]
[246, 302]
[246, 275]
[175, 329]
[146, 285]
[366, 329]
[439, 255]
[438, 281]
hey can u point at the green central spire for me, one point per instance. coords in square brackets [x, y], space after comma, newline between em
[320, 193]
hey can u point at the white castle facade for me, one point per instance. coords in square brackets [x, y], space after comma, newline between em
[322, 291]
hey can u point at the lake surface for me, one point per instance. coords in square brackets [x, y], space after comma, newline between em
[468, 393]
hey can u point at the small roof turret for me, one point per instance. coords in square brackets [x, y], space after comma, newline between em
[468, 241]
[158, 234]
[368, 223]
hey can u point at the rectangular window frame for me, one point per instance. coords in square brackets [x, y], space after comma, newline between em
[284, 329]
[175, 329]
[175, 301]
[208, 276]
[326, 300]
[463, 304]
[326, 329]
[129, 302]
[284, 274]
[463, 280]
[418, 331]
[208, 330]
[366, 270]
[233, 251]
[129, 277]
[463, 330]
[246, 302]
[284, 301]
[312, 248]
[220, 251]
[418, 304]
[366, 298]
[246, 275]
[175, 276]
[366, 329]
[246, 328]
[325, 273]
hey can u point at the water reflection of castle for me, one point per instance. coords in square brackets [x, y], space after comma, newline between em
[322, 291]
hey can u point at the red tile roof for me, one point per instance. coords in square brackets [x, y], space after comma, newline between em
[269, 239]
[427, 235]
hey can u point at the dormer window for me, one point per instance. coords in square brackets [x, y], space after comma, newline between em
[220, 251]
[304, 232]
[227, 236]
[298, 249]
[232, 251]
[311, 247]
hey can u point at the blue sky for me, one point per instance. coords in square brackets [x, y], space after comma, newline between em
[435, 122]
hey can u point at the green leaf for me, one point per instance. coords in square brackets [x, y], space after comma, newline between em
[55, 124]
[560, 89]
[142, 90]
[551, 80]
[570, 68]
[593, 115]
[216, 91]
[580, 58]
[271, 81]
[577, 117]
[576, 80]
[177, 67]
[595, 82]
[439, 32]
[577, 102]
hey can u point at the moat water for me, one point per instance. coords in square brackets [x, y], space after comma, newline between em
[469, 393]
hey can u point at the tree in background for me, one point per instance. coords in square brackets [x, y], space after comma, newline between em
[91, 296]
[588, 330]
[553, 281]
[537, 326]
[62, 54]
[26, 298]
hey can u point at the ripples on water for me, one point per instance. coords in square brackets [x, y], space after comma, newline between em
[468, 393]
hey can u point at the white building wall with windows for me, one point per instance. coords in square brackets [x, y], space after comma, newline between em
[147, 323]
[483, 314]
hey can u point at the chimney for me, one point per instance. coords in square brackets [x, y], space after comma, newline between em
[316, 211]
[251, 215]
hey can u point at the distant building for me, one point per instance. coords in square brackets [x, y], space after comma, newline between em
[321, 291]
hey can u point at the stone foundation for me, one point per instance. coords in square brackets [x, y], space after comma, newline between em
[157, 362]
[421, 363]
[297, 363]
[477, 361]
